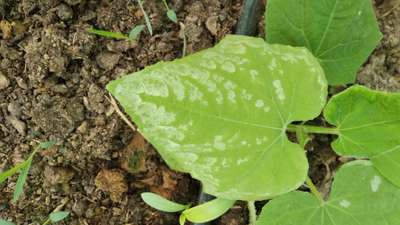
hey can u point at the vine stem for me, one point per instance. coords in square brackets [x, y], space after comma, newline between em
[314, 190]
[252, 212]
[313, 129]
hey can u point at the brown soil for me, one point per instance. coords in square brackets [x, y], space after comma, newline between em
[52, 79]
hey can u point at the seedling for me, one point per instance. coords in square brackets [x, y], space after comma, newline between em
[23, 169]
[170, 13]
[133, 34]
[222, 115]
[54, 217]
[199, 214]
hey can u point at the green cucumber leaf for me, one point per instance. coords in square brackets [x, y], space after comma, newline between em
[161, 203]
[58, 216]
[340, 33]
[19, 187]
[221, 114]
[5, 222]
[359, 196]
[208, 211]
[368, 123]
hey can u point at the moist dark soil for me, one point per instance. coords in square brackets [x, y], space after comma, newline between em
[52, 87]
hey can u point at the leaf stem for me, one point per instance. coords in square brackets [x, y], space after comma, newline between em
[252, 212]
[313, 129]
[314, 190]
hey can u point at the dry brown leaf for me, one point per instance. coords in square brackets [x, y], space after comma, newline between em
[6, 29]
[112, 182]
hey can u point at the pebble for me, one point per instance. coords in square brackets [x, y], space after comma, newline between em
[73, 2]
[107, 60]
[64, 12]
[19, 125]
[14, 109]
[21, 83]
[4, 81]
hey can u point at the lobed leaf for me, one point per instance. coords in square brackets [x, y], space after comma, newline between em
[208, 211]
[221, 114]
[368, 123]
[340, 33]
[359, 196]
[161, 203]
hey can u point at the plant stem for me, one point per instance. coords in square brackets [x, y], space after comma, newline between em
[46, 222]
[314, 190]
[313, 129]
[252, 213]
[165, 4]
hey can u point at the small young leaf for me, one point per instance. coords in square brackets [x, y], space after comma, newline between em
[182, 219]
[58, 216]
[108, 34]
[161, 203]
[4, 222]
[19, 187]
[136, 31]
[368, 123]
[340, 33]
[359, 196]
[247, 91]
[47, 144]
[208, 211]
[172, 15]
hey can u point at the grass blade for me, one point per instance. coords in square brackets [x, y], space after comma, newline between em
[58, 216]
[5, 175]
[109, 34]
[19, 187]
[4, 222]
[146, 18]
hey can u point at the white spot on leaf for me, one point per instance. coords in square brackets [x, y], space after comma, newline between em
[278, 89]
[259, 103]
[375, 183]
[229, 67]
[345, 203]
[218, 144]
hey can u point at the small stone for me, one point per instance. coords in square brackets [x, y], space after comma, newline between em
[121, 46]
[64, 12]
[19, 125]
[107, 60]
[73, 2]
[4, 81]
[21, 83]
[212, 25]
[83, 128]
[14, 109]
